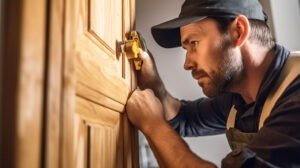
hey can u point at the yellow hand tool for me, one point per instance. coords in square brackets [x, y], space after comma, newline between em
[131, 48]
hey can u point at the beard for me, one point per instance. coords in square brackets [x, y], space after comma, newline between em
[230, 67]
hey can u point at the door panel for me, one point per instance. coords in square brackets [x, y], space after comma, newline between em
[105, 19]
[97, 81]
[100, 143]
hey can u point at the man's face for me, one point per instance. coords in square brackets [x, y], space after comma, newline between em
[214, 63]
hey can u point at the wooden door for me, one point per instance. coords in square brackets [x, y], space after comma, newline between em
[97, 83]
[92, 129]
[65, 85]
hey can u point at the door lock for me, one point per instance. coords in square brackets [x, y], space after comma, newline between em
[132, 46]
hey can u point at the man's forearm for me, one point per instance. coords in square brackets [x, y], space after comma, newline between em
[170, 149]
[170, 104]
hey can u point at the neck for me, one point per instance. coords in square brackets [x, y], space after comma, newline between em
[256, 61]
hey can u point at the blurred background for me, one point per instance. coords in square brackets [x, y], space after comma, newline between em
[284, 21]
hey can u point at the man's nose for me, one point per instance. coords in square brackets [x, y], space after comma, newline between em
[188, 63]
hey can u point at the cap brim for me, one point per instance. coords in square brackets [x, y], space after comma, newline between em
[167, 34]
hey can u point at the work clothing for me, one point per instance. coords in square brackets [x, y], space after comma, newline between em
[276, 144]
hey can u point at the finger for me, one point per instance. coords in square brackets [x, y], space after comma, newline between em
[133, 92]
[150, 55]
[149, 91]
[148, 60]
[144, 55]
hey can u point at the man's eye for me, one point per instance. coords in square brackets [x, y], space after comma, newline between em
[194, 42]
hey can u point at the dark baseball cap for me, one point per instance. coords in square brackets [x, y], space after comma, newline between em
[167, 34]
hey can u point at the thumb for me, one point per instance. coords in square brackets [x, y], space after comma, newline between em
[144, 55]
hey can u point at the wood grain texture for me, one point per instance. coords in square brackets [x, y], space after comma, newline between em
[104, 21]
[95, 114]
[98, 80]
[81, 139]
[106, 146]
[65, 108]
[96, 84]
[69, 139]
[23, 81]
[30, 87]
[53, 87]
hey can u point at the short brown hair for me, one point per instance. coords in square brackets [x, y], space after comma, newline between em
[260, 31]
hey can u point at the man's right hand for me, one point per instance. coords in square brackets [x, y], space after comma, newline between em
[148, 77]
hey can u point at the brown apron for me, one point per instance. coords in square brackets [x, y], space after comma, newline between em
[238, 139]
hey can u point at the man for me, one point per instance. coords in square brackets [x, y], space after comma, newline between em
[252, 84]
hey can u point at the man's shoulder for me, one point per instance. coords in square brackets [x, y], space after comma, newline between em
[289, 101]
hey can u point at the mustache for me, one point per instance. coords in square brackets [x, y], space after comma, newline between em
[199, 74]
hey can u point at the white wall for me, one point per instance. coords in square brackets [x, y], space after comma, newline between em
[286, 20]
[285, 17]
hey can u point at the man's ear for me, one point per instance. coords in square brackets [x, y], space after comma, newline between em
[240, 30]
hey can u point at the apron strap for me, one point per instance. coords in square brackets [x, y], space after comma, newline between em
[231, 118]
[289, 73]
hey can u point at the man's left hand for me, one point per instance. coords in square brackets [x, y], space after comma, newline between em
[144, 110]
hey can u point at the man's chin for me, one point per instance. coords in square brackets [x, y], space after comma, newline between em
[210, 92]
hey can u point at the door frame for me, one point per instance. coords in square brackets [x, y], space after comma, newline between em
[22, 78]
